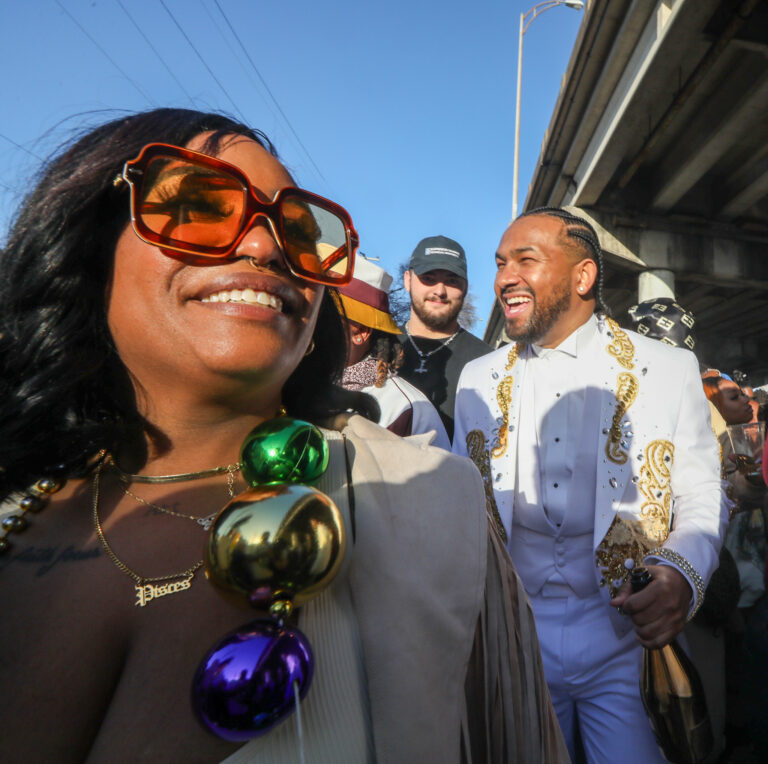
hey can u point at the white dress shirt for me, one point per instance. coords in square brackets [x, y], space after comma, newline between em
[556, 462]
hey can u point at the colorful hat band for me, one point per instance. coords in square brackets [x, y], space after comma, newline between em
[367, 294]
[367, 315]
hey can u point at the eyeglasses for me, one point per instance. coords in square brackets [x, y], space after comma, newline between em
[196, 205]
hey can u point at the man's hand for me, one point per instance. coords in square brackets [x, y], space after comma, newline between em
[658, 611]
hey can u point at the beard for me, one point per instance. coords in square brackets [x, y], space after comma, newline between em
[544, 315]
[433, 321]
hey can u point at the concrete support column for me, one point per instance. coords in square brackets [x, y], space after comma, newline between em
[655, 283]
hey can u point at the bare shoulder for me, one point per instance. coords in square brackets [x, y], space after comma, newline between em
[58, 632]
[81, 665]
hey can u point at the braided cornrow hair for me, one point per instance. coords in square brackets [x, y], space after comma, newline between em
[585, 241]
[388, 353]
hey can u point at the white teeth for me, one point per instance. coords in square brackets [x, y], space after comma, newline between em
[517, 300]
[247, 295]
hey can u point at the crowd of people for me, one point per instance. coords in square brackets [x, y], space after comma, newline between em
[424, 544]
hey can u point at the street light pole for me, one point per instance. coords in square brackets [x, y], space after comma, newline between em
[525, 21]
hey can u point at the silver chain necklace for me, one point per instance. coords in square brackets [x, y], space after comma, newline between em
[422, 369]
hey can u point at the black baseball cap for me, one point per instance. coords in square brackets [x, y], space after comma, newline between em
[439, 253]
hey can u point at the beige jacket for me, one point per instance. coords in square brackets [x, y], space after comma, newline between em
[452, 670]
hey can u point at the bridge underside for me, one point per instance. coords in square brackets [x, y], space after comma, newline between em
[660, 136]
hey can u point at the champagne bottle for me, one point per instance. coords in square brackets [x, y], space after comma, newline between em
[673, 697]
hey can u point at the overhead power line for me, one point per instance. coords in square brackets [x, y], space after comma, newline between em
[156, 52]
[203, 61]
[267, 88]
[19, 146]
[105, 54]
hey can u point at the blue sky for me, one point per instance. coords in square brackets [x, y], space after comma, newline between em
[403, 112]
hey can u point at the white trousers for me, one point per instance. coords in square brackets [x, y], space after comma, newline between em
[593, 678]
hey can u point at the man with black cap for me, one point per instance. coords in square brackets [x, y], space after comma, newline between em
[435, 346]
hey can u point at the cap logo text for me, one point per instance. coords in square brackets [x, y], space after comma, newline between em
[441, 251]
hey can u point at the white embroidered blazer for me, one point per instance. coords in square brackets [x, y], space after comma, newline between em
[657, 483]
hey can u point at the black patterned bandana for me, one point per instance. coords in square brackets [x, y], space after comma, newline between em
[663, 319]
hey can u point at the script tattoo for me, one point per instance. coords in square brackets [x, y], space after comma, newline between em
[158, 509]
[50, 556]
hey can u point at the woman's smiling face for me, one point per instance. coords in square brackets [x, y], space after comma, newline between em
[179, 324]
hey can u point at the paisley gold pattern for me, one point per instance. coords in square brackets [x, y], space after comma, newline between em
[621, 348]
[654, 485]
[513, 355]
[626, 395]
[477, 448]
[625, 541]
[635, 538]
[504, 399]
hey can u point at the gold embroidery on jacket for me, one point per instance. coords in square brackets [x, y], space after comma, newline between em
[654, 485]
[478, 452]
[626, 395]
[621, 348]
[513, 355]
[504, 399]
[633, 538]
[625, 540]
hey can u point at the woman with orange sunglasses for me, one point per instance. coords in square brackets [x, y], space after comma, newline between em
[169, 354]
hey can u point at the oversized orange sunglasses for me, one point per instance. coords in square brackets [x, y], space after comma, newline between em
[195, 205]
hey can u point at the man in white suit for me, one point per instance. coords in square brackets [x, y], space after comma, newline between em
[597, 455]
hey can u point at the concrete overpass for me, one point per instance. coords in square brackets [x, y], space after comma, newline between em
[660, 137]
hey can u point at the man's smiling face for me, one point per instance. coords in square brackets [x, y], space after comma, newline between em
[535, 281]
[436, 296]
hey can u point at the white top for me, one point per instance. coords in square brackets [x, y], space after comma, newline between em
[399, 401]
[556, 463]
[557, 384]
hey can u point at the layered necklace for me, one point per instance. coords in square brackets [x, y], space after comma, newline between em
[422, 369]
[273, 547]
[205, 522]
[150, 588]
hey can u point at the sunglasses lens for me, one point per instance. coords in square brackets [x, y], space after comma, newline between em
[190, 206]
[315, 239]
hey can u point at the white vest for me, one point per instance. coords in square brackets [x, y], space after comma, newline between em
[553, 523]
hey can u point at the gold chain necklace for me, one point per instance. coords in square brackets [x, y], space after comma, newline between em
[206, 521]
[148, 588]
[230, 469]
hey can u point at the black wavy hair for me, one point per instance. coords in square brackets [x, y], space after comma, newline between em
[64, 392]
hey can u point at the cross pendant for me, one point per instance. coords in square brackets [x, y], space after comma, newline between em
[422, 368]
